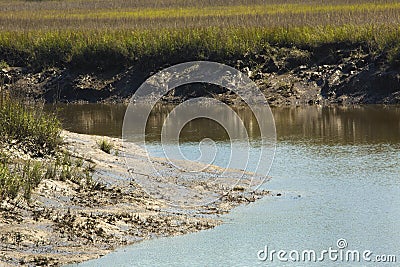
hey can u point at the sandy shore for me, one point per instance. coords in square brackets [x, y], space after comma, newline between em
[67, 224]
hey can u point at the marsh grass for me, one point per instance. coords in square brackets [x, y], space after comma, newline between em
[108, 34]
[10, 183]
[3, 64]
[28, 126]
[28, 130]
[118, 14]
[105, 146]
[19, 179]
[110, 49]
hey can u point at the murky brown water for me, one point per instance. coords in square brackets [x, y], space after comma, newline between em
[322, 125]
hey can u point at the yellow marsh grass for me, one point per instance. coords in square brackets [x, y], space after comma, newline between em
[266, 9]
[130, 15]
[137, 43]
[58, 32]
[200, 12]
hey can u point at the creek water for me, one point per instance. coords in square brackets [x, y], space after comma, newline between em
[337, 170]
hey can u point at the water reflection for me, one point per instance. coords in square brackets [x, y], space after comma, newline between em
[321, 125]
[97, 119]
[339, 125]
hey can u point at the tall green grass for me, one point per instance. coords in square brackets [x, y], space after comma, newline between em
[127, 47]
[19, 179]
[26, 131]
[28, 126]
[9, 183]
[29, 131]
[99, 33]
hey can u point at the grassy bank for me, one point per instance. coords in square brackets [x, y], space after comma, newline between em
[23, 131]
[28, 126]
[123, 47]
[30, 151]
[108, 33]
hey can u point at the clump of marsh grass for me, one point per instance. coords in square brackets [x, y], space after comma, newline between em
[28, 126]
[37, 134]
[83, 49]
[9, 183]
[3, 64]
[19, 179]
[105, 145]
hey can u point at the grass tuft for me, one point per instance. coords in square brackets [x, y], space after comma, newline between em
[28, 137]
[105, 146]
[28, 127]
[3, 64]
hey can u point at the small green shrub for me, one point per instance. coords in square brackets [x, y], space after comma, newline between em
[16, 177]
[105, 146]
[31, 176]
[9, 183]
[79, 162]
[3, 64]
[66, 173]
[51, 170]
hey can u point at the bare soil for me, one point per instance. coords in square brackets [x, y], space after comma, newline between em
[329, 74]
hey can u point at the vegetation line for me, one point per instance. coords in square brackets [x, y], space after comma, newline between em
[102, 34]
[125, 47]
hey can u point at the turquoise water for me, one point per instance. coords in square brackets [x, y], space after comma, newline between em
[339, 179]
[329, 192]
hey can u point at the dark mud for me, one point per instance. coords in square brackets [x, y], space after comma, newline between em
[329, 74]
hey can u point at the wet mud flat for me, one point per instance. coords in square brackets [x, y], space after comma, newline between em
[65, 223]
